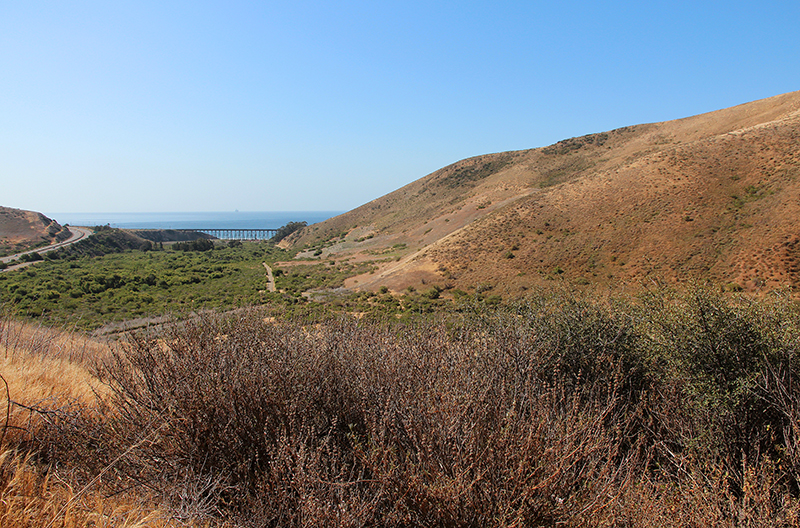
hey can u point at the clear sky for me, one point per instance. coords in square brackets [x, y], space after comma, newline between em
[119, 106]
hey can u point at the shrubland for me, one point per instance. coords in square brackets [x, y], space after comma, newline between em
[106, 282]
[83, 288]
[665, 409]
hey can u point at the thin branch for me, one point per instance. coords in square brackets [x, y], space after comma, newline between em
[8, 411]
[103, 472]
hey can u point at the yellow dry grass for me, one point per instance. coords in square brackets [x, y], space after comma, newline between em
[709, 198]
[32, 498]
[46, 368]
[28, 339]
[43, 367]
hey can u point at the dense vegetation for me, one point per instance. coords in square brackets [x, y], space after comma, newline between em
[105, 281]
[75, 288]
[663, 410]
[105, 240]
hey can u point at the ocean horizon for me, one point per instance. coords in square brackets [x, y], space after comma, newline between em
[193, 220]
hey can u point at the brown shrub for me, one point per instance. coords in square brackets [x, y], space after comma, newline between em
[563, 411]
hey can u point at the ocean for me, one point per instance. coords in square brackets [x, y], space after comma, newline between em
[198, 220]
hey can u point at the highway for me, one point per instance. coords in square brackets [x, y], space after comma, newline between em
[78, 233]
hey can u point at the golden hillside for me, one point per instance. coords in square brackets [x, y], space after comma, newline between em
[710, 197]
[21, 230]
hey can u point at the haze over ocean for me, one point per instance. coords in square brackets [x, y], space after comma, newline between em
[194, 220]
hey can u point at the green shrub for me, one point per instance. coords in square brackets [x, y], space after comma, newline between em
[201, 244]
[433, 293]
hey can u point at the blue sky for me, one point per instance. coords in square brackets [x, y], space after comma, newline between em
[261, 105]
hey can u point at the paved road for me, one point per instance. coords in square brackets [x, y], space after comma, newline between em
[78, 233]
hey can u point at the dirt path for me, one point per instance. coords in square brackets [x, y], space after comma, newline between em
[270, 279]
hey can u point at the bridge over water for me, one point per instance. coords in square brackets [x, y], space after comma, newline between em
[235, 234]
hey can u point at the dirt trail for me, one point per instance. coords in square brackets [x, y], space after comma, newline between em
[270, 278]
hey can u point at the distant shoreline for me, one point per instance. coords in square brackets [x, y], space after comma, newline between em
[194, 220]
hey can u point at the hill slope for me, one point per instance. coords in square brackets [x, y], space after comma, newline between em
[21, 230]
[710, 197]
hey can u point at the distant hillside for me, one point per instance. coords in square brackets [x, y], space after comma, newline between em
[711, 197]
[103, 241]
[21, 230]
[169, 235]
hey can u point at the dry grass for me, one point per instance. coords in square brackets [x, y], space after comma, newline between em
[45, 377]
[711, 197]
[43, 368]
[32, 498]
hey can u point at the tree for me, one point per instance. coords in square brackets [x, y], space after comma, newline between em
[287, 230]
[201, 244]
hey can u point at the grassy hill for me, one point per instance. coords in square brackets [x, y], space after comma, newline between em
[710, 197]
[21, 230]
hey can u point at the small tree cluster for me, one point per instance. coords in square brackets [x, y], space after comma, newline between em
[287, 230]
[201, 244]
